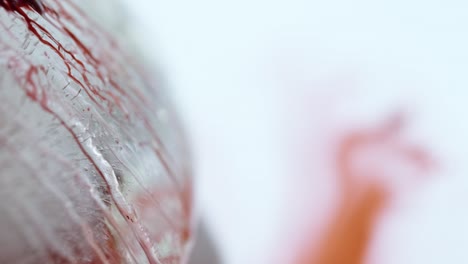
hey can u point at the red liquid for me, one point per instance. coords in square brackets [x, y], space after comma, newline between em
[16, 5]
[363, 192]
[89, 133]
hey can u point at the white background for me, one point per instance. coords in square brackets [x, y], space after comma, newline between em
[229, 64]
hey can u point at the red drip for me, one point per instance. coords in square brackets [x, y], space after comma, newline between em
[15, 5]
[81, 65]
[364, 195]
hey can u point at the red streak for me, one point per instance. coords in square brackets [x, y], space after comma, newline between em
[16, 5]
[363, 195]
[83, 65]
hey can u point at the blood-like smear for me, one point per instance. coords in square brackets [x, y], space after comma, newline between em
[17, 5]
[94, 168]
[363, 191]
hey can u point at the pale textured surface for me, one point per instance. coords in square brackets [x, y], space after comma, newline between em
[93, 166]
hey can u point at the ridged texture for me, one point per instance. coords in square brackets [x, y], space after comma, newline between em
[93, 165]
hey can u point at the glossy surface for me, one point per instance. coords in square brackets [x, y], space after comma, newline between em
[94, 168]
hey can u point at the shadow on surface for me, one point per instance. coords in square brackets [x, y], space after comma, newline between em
[205, 250]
